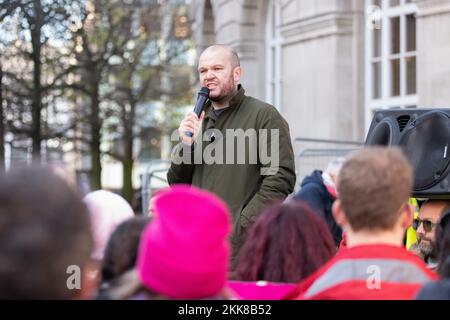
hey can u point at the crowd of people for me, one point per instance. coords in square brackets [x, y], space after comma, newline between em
[182, 249]
[228, 230]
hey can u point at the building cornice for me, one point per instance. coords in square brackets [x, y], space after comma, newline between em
[428, 8]
[324, 25]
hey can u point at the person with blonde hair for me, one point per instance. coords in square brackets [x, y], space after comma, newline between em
[107, 210]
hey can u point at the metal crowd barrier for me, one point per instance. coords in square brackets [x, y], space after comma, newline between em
[156, 171]
[315, 154]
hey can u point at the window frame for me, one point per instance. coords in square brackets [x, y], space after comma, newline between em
[386, 100]
[274, 44]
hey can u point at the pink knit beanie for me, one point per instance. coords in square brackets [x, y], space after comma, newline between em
[184, 252]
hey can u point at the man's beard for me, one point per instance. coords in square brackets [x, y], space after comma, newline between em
[226, 95]
[427, 248]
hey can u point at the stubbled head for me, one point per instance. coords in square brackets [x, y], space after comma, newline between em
[220, 71]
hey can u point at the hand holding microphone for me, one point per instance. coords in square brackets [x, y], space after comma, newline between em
[191, 125]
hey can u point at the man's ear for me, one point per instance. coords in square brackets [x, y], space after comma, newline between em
[407, 216]
[237, 73]
[338, 214]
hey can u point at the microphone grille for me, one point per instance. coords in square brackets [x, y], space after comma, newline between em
[204, 91]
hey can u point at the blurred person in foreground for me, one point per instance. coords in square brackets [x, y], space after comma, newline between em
[287, 243]
[106, 210]
[120, 254]
[374, 186]
[45, 238]
[184, 251]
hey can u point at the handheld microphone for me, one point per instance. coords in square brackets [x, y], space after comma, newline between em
[202, 97]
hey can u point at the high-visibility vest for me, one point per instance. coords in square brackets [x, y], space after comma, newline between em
[411, 236]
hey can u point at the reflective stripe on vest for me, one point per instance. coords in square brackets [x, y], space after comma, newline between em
[391, 270]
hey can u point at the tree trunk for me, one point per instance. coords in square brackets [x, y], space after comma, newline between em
[2, 126]
[127, 187]
[96, 166]
[36, 103]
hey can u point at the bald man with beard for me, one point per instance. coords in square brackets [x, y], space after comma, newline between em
[246, 186]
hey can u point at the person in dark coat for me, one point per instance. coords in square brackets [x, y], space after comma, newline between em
[318, 190]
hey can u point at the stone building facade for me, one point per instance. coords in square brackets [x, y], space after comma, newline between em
[327, 64]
